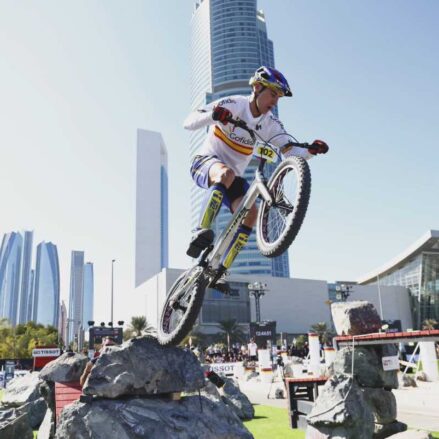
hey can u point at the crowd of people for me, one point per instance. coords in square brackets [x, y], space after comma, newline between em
[247, 352]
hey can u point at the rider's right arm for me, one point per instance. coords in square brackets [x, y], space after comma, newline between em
[198, 119]
[203, 116]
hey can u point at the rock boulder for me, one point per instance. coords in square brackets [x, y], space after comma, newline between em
[368, 368]
[192, 417]
[142, 366]
[340, 410]
[66, 368]
[355, 318]
[21, 390]
[237, 400]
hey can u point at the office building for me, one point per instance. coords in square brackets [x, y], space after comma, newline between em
[62, 323]
[47, 285]
[25, 296]
[76, 299]
[417, 269]
[295, 304]
[151, 206]
[229, 42]
[10, 269]
[88, 307]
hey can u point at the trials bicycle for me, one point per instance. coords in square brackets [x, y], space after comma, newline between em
[284, 201]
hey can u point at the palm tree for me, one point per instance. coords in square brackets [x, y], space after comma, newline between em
[429, 324]
[233, 331]
[324, 333]
[139, 325]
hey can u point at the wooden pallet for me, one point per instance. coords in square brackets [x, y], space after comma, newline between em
[65, 394]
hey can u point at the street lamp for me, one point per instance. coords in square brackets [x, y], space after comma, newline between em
[343, 292]
[112, 286]
[77, 335]
[257, 289]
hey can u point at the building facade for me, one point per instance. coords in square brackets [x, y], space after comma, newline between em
[88, 308]
[62, 323]
[295, 304]
[228, 43]
[10, 269]
[417, 269]
[47, 285]
[75, 323]
[151, 206]
[25, 297]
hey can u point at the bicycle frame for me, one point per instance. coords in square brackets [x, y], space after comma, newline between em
[258, 187]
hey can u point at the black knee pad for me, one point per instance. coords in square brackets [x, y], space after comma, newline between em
[237, 189]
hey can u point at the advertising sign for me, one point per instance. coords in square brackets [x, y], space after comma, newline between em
[263, 332]
[223, 368]
[9, 371]
[46, 352]
[97, 333]
[391, 363]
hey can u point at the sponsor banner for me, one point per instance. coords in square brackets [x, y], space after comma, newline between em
[46, 352]
[223, 368]
[264, 333]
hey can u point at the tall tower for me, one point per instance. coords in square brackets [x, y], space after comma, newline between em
[229, 42]
[10, 264]
[151, 206]
[88, 307]
[47, 285]
[25, 297]
[74, 322]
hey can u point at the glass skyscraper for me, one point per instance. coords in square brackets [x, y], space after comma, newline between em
[76, 299]
[229, 42]
[47, 285]
[417, 269]
[25, 297]
[10, 264]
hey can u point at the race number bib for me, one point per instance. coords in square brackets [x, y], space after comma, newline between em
[266, 153]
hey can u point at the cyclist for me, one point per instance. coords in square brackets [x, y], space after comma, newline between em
[226, 152]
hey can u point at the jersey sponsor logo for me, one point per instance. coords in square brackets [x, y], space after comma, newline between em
[226, 101]
[241, 139]
[276, 120]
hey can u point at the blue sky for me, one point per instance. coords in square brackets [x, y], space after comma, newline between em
[78, 78]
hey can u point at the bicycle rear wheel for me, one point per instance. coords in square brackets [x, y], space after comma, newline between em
[182, 306]
[278, 224]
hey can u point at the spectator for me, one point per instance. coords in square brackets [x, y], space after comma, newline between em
[107, 341]
[252, 350]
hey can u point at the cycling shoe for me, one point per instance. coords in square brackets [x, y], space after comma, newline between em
[201, 239]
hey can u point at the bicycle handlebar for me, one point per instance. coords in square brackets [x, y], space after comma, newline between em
[242, 124]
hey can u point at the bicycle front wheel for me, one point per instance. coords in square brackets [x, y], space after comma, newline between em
[182, 305]
[278, 224]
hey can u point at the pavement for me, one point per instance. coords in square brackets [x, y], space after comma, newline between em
[418, 407]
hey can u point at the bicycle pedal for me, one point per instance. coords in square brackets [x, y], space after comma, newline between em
[222, 286]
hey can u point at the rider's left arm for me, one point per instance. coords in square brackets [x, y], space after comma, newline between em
[283, 141]
[288, 150]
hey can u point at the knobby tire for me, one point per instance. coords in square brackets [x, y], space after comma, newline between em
[300, 206]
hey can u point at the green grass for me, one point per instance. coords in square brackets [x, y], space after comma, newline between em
[272, 422]
[1, 394]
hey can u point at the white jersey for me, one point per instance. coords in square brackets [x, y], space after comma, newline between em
[233, 145]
